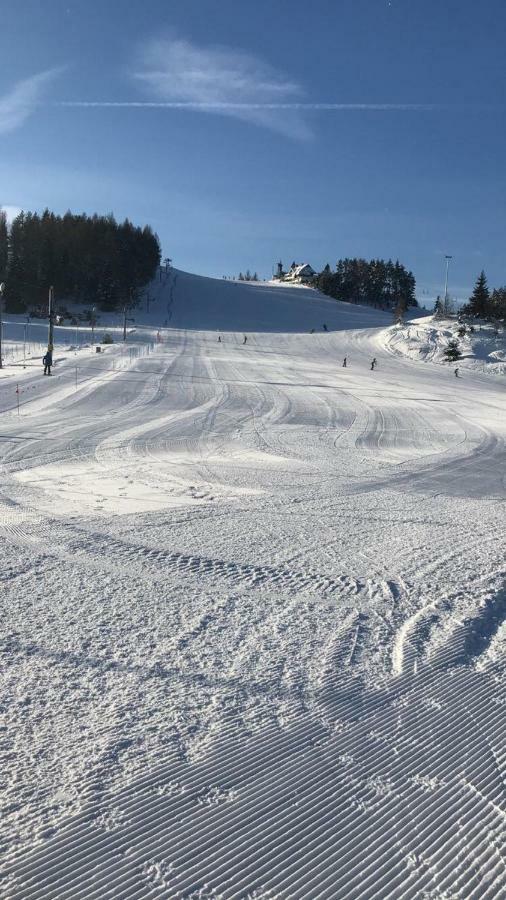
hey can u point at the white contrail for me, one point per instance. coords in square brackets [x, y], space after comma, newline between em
[205, 105]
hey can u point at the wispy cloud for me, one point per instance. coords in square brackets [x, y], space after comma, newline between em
[180, 75]
[224, 81]
[21, 101]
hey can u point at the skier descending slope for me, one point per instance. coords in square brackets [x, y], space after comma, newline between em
[344, 362]
[373, 363]
[245, 339]
[456, 373]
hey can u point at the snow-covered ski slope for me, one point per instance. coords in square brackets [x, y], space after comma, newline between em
[253, 611]
[195, 302]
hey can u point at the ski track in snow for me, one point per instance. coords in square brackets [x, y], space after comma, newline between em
[254, 613]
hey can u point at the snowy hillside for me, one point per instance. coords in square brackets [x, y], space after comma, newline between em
[253, 608]
[483, 348]
[181, 300]
[217, 304]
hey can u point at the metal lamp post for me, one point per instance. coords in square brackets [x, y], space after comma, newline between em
[447, 258]
[2, 289]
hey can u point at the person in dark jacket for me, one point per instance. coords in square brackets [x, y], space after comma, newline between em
[47, 362]
[345, 362]
[373, 363]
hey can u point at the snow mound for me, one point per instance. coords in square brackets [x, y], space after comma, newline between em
[426, 339]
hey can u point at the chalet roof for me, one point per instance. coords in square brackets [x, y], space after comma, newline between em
[304, 269]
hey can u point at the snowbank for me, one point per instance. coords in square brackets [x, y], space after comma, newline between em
[426, 339]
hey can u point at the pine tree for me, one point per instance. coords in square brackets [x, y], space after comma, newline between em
[14, 300]
[452, 352]
[497, 305]
[478, 304]
[438, 307]
[4, 246]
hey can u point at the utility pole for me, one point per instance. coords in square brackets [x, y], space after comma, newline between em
[50, 334]
[445, 307]
[2, 289]
[93, 325]
[125, 320]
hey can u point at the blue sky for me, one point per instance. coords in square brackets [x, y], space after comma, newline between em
[274, 128]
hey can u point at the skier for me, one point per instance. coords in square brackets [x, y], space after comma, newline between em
[47, 362]
[373, 363]
[245, 339]
[456, 373]
[325, 327]
[219, 336]
[344, 362]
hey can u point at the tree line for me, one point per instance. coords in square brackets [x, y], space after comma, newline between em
[379, 283]
[248, 276]
[87, 259]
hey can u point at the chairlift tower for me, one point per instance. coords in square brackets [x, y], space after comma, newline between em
[50, 333]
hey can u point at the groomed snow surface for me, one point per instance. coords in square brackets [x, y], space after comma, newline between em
[253, 609]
